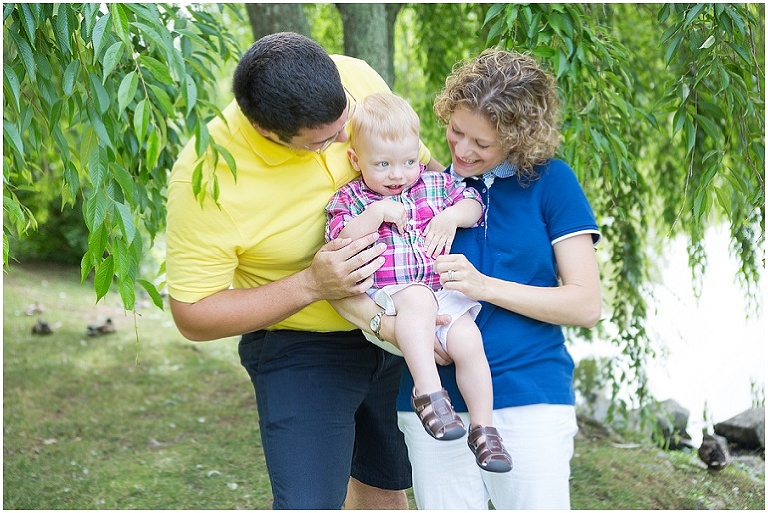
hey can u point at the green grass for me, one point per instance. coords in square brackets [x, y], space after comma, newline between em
[609, 474]
[86, 426]
[163, 423]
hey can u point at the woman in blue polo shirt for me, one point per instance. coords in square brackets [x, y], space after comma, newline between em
[532, 265]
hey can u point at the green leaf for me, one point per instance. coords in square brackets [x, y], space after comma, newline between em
[72, 179]
[678, 121]
[14, 212]
[710, 128]
[163, 43]
[63, 31]
[120, 23]
[98, 35]
[157, 299]
[202, 137]
[163, 100]
[11, 85]
[192, 35]
[127, 293]
[98, 124]
[11, 135]
[672, 47]
[156, 68]
[141, 120]
[70, 76]
[497, 29]
[215, 189]
[723, 199]
[88, 142]
[544, 52]
[97, 242]
[54, 117]
[127, 91]
[494, 11]
[124, 179]
[126, 222]
[561, 63]
[111, 57]
[228, 158]
[189, 92]
[86, 264]
[97, 167]
[28, 21]
[26, 55]
[153, 148]
[99, 94]
[690, 133]
[736, 18]
[741, 52]
[197, 179]
[122, 258]
[96, 210]
[103, 278]
[693, 13]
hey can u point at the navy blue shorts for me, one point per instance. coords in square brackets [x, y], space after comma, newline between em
[326, 405]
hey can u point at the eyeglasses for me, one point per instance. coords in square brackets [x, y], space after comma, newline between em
[351, 104]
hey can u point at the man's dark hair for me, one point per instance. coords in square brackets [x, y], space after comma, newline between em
[286, 82]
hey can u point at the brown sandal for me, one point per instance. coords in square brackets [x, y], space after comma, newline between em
[487, 446]
[438, 416]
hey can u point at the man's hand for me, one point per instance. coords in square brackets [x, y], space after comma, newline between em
[344, 267]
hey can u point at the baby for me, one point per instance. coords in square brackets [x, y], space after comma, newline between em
[416, 213]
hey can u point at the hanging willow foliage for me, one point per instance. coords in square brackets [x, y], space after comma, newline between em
[104, 95]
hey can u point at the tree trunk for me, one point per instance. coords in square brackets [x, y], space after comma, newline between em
[268, 18]
[368, 35]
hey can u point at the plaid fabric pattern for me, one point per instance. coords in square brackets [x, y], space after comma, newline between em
[405, 258]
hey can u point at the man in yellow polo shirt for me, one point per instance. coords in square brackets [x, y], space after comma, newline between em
[255, 265]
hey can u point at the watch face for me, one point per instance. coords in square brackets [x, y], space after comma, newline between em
[376, 324]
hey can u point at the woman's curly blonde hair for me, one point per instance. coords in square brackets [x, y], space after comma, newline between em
[516, 96]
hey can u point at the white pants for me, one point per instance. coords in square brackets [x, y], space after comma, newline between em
[538, 437]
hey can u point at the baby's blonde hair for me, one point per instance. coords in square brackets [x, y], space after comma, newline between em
[384, 115]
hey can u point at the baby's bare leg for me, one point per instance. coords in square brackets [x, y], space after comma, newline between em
[465, 347]
[415, 331]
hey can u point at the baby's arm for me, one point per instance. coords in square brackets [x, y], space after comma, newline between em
[441, 230]
[382, 211]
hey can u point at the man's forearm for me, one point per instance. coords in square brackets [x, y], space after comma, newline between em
[234, 312]
[341, 268]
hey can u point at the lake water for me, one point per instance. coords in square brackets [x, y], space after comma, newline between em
[715, 354]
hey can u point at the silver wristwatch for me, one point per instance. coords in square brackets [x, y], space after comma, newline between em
[375, 323]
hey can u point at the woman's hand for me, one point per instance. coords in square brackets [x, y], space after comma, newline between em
[456, 273]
